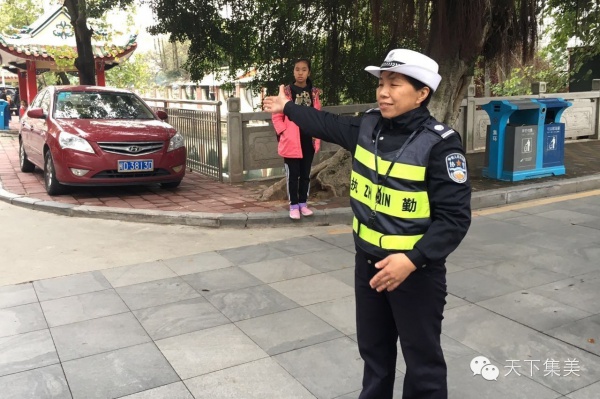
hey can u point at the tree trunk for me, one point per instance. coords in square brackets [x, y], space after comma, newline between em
[62, 78]
[445, 103]
[84, 62]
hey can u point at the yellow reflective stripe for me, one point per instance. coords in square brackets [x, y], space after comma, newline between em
[401, 204]
[397, 242]
[399, 170]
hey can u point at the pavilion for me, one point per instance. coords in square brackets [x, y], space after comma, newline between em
[28, 52]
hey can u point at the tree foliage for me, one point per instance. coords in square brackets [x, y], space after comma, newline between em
[133, 74]
[343, 36]
[19, 13]
[575, 23]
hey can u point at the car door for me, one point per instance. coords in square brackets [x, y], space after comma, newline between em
[39, 128]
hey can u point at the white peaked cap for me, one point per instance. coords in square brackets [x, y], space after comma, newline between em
[410, 63]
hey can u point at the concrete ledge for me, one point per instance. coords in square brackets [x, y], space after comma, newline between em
[7, 196]
[339, 216]
[25, 202]
[55, 207]
[235, 220]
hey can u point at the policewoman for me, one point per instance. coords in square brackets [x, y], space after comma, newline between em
[410, 195]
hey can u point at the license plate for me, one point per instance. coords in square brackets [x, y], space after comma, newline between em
[142, 165]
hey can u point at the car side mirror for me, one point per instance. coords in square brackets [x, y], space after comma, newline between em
[36, 113]
[162, 115]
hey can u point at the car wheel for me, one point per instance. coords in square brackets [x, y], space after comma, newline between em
[173, 184]
[24, 163]
[53, 187]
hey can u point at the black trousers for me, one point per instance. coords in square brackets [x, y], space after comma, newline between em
[412, 312]
[297, 171]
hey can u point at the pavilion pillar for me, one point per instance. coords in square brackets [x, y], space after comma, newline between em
[23, 87]
[100, 78]
[31, 81]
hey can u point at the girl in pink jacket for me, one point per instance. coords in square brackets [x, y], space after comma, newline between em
[298, 149]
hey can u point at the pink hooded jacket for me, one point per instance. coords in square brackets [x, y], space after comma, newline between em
[288, 131]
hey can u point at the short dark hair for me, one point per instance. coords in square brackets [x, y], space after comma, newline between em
[418, 85]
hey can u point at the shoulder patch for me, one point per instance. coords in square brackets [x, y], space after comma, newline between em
[439, 128]
[456, 164]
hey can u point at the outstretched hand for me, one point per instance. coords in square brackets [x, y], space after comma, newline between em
[275, 104]
[393, 270]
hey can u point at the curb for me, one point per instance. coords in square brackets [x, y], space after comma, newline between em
[327, 217]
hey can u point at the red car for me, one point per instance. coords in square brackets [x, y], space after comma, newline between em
[98, 136]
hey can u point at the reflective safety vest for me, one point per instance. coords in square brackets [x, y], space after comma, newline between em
[391, 213]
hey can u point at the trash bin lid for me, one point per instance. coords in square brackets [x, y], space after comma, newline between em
[552, 102]
[526, 104]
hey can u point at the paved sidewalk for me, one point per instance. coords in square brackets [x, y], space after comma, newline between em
[276, 320]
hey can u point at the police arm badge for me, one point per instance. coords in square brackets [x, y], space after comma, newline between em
[456, 164]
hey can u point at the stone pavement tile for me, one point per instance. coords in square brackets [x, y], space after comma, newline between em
[452, 301]
[328, 370]
[339, 313]
[535, 311]
[499, 338]
[313, 289]
[462, 384]
[95, 336]
[176, 390]
[575, 292]
[584, 334]
[26, 351]
[475, 286]
[209, 350]
[328, 260]
[470, 254]
[398, 385]
[43, 383]
[346, 276]
[118, 373]
[74, 284]
[561, 260]
[135, 274]
[338, 239]
[83, 307]
[155, 293]
[197, 263]
[288, 330]
[252, 254]
[250, 302]
[271, 271]
[255, 380]
[21, 319]
[568, 216]
[484, 230]
[300, 245]
[230, 278]
[554, 227]
[589, 392]
[453, 268]
[502, 215]
[179, 318]
[15, 295]
[521, 273]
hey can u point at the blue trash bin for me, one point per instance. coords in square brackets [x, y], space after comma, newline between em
[513, 139]
[554, 134]
[4, 115]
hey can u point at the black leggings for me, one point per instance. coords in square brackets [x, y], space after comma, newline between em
[297, 171]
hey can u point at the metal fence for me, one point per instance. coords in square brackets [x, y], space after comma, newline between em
[200, 124]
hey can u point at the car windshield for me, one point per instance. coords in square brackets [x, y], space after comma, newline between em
[99, 105]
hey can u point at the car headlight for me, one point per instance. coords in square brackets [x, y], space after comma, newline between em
[175, 142]
[68, 140]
